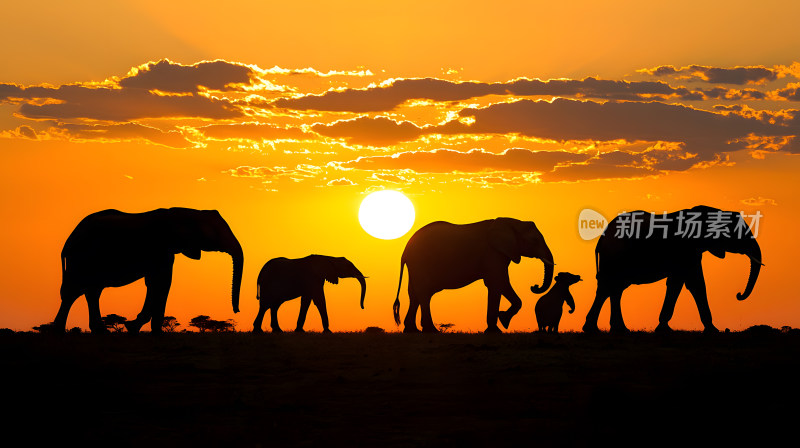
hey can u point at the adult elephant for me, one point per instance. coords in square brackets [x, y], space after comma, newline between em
[283, 279]
[112, 248]
[640, 247]
[443, 256]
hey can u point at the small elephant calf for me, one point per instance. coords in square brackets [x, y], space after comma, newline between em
[550, 306]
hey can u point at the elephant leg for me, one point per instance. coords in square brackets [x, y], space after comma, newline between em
[426, 319]
[696, 284]
[95, 319]
[155, 301]
[410, 321]
[67, 299]
[674, 286]
[305, 302]
[617, 323]
[516, 304]
[273, 312]
[319, 302]
[262, 309]
[492, 310]
[590, 326]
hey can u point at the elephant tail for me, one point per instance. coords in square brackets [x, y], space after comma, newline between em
[258, 292]
[396, 306]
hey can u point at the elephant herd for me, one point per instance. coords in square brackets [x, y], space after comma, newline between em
[111, 248]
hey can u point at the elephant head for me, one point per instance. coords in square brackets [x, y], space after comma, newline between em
[332, 269]
[735, 237]
[515, 239]
[568, 279]
[192, 231]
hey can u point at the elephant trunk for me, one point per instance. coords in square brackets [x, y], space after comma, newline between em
[547, 259]
[363, 282]
[571, 302]
[755, 268]
[235, 251]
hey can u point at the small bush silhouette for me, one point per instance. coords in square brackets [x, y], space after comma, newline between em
[204, 323]
[114, 322]
[374, 330]
[45, 328]
[444, 327]
[170, 324]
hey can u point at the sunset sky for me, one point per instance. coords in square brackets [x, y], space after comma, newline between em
[284, 115]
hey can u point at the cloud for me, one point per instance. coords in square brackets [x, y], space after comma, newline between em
[393, 176]
[121, 132]
[757, 202]
[269, 174]
[473, 161]
[371, 131]
[594, 171]
[168, 76]
[340, 182]
[701, 132]
[254, 131]
[110, 104]
[162, 89]
[388, 96]
[26, 132]
[311, 71]
[8, 91]
[791, 92]
[716, 75]
[258, 172]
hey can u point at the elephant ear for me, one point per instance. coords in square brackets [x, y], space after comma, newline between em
[503, 238]
[328, 271]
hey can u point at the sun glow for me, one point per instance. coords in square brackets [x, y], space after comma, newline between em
[386, 214]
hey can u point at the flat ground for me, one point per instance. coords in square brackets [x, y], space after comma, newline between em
[357, 389]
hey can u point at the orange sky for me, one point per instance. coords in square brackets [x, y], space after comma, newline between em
[283, 117]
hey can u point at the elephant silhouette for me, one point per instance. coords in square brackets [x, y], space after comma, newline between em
[283, 279]
[549, 307]
[640, 247]
[443, 256]
[111, 248]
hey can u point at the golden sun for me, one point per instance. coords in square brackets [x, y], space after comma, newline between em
[386, 214]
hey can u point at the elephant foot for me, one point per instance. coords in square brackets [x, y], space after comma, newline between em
[505, 318]
[492, 330]
[134, 327]
[710, 329]
[620, 329]
[276, 330]
[590, 328]
[299, 330]
[430, 330]
[408, 329]
[327, 330]
[663, 328]
[257, 330]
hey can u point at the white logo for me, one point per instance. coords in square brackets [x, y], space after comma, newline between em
[591, 224]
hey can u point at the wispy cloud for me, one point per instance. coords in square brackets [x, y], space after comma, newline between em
[758, 201]
[476, 160]
[718, 75]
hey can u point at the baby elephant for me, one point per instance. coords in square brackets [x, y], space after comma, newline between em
[549, 307]
[283, 279]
